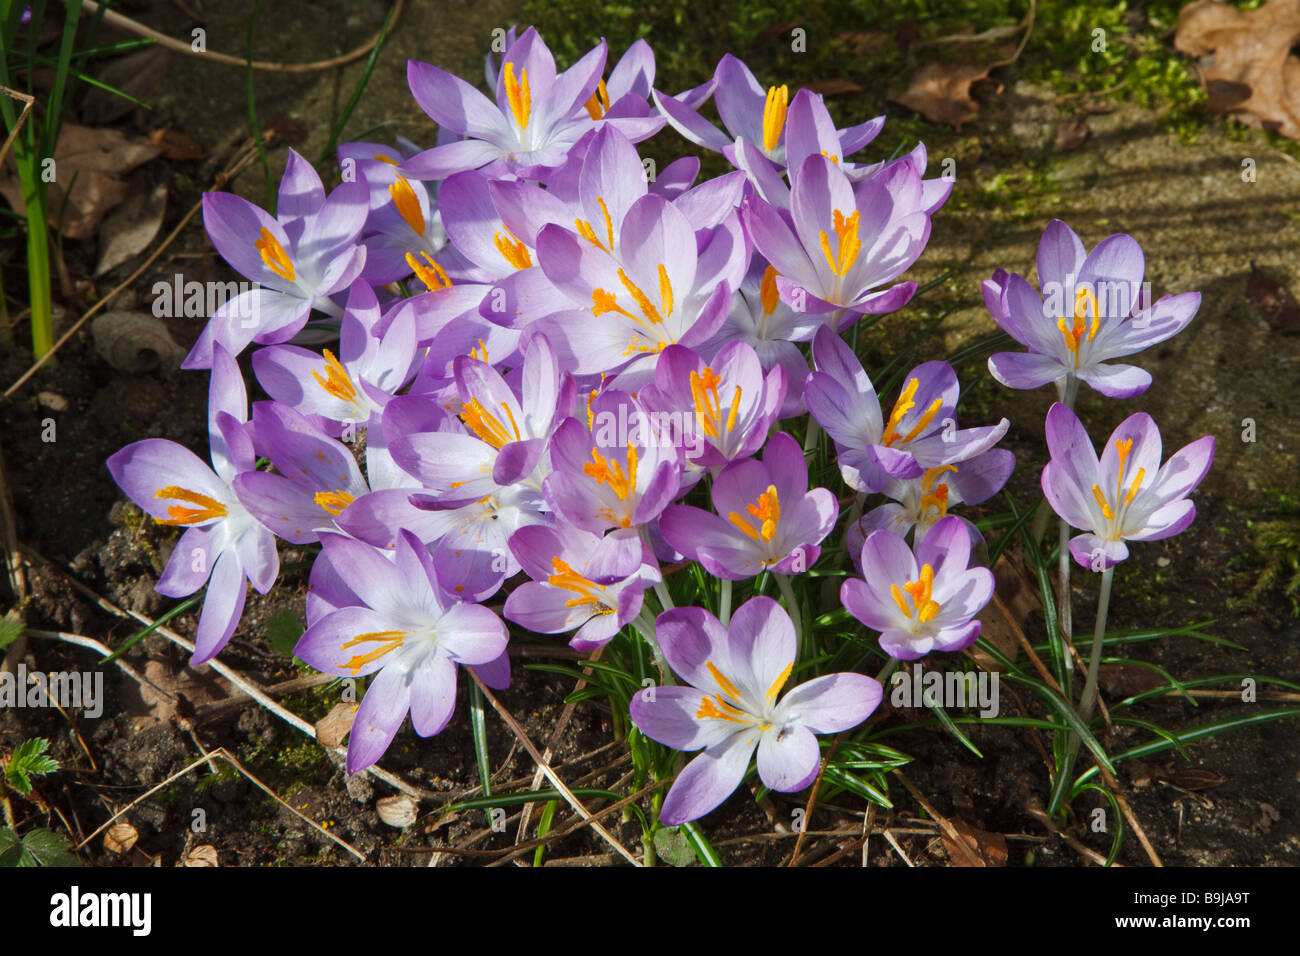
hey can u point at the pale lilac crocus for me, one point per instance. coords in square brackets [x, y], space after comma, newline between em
[1127, 495]
[840, 242]
[921, 430]
[920, 502]
[734, 705]
[581, 582]
[298, 260]
[1091, 307]
[223, 545]
[920, 601]
[772, 521]
[538, 114]
[728, 403]
[408, 632]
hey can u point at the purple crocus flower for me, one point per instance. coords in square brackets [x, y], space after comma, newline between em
[299, 260]
[1127, 495]
[773, 522]
[839, 242]
[223, 545]
[581, 582]
[537, 117]
[733, 705]
[920, 601]
[921, 431]
[920, 502]
[727, 402]
[1109, 315]
[408, 630]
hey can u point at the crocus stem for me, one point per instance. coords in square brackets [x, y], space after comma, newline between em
[1089, 699]
[645, 626]
[888, 669]
[792, 604]
[811, 436]
[1064, 614]
[665, 599]
[724, 602]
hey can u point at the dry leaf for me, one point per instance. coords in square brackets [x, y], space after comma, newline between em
[1274, 301]
[88, 165]
[833, 87]
[398, 811]
[129, 231]
[205, 855]
[1195, 778]
[135, 342]
[334, 726]
[176, 145]
[144, 702]
[972, 847]
[941, 92]
[1016, 596]
[871, 43]
[1070, 134]
[1125, 680]
[120, 838]
[1247, 66]
[135, 74]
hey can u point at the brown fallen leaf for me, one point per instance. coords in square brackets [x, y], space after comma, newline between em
[205, 855]
[833, 87]
[1246, 66]
[136, 74]
[1274, 301]
[1125, 680]
[135, 342]
[1017, 598]
[1195, 778]
[144, 702]
[176, 145]
[941, 92]
[870, 43]
[1070, 134]
[130, 229]
[89, 163]
[120, 838]
[968, 846]
[334, 726]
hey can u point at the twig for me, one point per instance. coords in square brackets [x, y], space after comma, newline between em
[14, 566]
[1086, 852]
[116, 19]
[812, 798]
[546, 769]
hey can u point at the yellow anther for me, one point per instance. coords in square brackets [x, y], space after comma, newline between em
[512, 249]
[208, 509]
[608, 471]
[766, 509]
[778, 99]
[923, 607]
[273, 254]
[487, 426]
[336, 381]
[768, 293]
[518, 96]
[334, 501]
[570, 580]
[389, 641]
[429, 272]
[846, 253]
[598, 105]
[780, 681]
[408, 204]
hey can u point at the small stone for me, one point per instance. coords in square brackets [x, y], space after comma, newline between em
[53, 401]
[1163, 562]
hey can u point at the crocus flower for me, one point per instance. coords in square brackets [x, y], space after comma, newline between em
[772, 521]
[840, 242]
[920, 502]
[921, 431]
[581, 582]
[733, 705]
[728, 402]
[537, 116]
[409, 631]
[298, 260]
[223, 545]
[1127, 495]
[920, 601]
[603, 479]
[1096, 309]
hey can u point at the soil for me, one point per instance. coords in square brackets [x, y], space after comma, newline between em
[1201, 227]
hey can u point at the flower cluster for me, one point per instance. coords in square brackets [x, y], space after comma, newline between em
[573, 372]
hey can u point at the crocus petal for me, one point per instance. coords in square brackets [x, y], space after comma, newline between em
[433, 694]
[830, 704]
[788, 758]
[382, 710]
[222, 606]
[709, 779]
